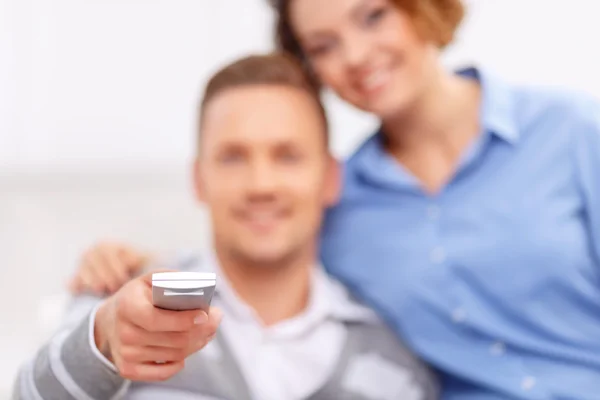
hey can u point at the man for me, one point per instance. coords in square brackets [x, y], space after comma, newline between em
[264, 171]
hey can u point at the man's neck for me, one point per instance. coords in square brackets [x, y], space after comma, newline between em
[275, 292]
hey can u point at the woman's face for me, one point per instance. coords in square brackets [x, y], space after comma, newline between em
[367, 51]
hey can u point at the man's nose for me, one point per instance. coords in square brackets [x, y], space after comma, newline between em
[262, 178]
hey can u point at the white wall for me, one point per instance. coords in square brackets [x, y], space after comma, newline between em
[95, 82]
[47, 221]
[97, 105]
[116, 82]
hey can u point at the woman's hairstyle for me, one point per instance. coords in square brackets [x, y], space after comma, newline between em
[436, 20]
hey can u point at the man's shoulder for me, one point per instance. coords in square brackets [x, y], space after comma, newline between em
[346, 306]
[370, 327]
[376, 360]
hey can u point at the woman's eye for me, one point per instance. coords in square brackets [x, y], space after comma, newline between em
[375, 16]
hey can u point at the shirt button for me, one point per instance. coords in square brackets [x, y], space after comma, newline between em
[438, 255]
[498, 349]
[528, 383]
[459, 315]
[433, 212]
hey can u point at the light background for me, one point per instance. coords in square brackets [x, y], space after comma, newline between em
[97, 105]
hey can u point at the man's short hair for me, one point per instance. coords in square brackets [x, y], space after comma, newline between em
[277, 68]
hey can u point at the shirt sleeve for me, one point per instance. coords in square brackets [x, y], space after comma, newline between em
[69, 366]
[587, 161]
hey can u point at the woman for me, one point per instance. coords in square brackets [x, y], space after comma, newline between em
[471, 219]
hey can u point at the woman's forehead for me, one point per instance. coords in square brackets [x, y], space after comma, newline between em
[317, 16]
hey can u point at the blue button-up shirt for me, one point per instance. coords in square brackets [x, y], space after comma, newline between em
[496, 279]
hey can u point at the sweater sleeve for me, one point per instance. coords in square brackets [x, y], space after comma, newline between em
[69, 366]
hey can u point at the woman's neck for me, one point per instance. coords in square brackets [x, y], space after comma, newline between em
[432, 134]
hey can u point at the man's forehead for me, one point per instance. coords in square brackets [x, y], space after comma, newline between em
[259, 98]
[261, 112]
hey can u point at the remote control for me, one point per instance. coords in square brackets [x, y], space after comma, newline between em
[179, 291]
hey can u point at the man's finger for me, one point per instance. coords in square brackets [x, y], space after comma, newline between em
[204, 333]
[149, 372]
[215, 315]
[131, 335]
[154, 319]
[139, 354]
[118, 266]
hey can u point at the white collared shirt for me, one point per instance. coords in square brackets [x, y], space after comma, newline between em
[295, 357]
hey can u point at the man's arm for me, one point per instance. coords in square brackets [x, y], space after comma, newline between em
[133, 333]
[70, 366]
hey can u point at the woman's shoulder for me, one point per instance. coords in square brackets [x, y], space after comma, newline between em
[366, 148]
[364, 161]
[566, 121]
[562, 105]
[552, 109]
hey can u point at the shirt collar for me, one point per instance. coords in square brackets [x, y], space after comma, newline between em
[498, 106]
[497, 116]
[328, 298]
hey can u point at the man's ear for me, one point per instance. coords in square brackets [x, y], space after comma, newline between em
[333, 181]
[199, 190]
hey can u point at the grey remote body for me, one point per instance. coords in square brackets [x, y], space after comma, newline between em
[180, 291]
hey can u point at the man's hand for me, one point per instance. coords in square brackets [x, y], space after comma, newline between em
[147, 343]
[106, 267]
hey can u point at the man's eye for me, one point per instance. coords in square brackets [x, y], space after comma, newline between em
[229, 158]
[290, 156]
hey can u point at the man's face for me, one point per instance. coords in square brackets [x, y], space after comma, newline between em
[264, 172]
